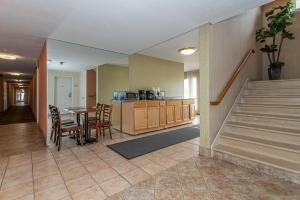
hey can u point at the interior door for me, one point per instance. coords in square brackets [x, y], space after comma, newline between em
[91, 88]
[63, 92]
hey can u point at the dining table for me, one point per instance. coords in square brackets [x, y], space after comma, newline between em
[79, 111]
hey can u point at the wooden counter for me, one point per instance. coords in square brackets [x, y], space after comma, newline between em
[136, 117]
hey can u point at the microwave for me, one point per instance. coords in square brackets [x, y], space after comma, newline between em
[124, 95]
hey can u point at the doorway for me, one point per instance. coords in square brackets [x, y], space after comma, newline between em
[63, 92]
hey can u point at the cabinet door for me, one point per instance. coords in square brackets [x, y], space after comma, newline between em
[153, 117]
[178, 113]
[162, 115]
[170, 114]
[140, 118]
[186, 112]
[192, 111]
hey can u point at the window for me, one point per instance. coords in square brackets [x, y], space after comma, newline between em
[297, 4]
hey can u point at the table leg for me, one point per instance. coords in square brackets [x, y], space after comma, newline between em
[88, 139]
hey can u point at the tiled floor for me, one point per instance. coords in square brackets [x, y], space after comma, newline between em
[96, 172]
[20, 138]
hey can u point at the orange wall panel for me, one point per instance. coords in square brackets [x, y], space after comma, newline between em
[42, 91]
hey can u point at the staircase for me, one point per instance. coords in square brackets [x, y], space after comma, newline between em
[263, 129]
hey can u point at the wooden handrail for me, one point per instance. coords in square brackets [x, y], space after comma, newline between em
[233, 77]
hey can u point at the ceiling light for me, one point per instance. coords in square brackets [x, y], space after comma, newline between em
[15, 74]
[7, 56]
[187, 51]
[49, 61]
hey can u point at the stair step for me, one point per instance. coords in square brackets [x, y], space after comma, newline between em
[267, 134]
[261, 149]
[272, 91]
[256, 157]
[268, 121]
[270, 115]
[266, 128]
[276, 84]
[281, 110]
[271, 100]
[265, 142]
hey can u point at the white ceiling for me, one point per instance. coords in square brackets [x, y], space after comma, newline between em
[169, 50]
[115, 25]
[26, 47]
[78, 57]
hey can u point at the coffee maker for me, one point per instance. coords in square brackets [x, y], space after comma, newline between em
[142, 95]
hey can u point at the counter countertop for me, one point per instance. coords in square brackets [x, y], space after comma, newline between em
[170, 99]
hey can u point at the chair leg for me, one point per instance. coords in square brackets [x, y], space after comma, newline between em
[51, 133]
[81, 135]
[97, 134]
[110, 132]
[59, 140]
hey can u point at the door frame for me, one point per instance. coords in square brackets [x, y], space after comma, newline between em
[55, 88]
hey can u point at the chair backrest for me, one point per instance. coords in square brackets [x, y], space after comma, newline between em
[56, 117]
[51, 112]
[99, 111]
[107, 110]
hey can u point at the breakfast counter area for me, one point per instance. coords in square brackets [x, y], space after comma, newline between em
[141, 116]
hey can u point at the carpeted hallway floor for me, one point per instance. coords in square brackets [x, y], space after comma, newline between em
[16, 114]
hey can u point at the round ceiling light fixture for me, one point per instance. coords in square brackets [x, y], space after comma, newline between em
[49, 61]
[187, 51]
[15, 74]
[7, 56]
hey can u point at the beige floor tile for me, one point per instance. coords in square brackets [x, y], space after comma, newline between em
[19, 160]
[45, 171]
[141, 194]
[27, 197]
[41, 155]
[140, 161]
[46, 182]
[74, 173]
[153, 168]
[15, 180]
[168, 195]
[114, 186]
[77, 185]
[124, 167]
[69, 164]
[95, 165]
[104, 175]
[192, 195]
[92, 193]
[190, 183]
[167, 183]
[17, 191]
[114, 160]
[20, 170]
[135, 176]
[54, 193]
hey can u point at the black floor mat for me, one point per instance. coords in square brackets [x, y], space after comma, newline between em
[137, 147]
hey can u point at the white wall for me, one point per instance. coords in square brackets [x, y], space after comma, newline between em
[52, 74]
[225, 44]
[82, 88]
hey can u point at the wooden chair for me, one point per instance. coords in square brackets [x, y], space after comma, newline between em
[72, 129]
[53, 128]
[104, 122]
[98, 116]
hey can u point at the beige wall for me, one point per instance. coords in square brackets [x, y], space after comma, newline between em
[146, 72]
[290, 51]
[222, 48]
[111, 78]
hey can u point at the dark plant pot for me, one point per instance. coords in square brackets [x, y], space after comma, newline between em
[274, 73]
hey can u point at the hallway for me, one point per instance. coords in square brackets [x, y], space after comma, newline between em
[16, 114]
[20, 138]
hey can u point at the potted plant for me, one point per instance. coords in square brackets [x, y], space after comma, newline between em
[272, 36]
